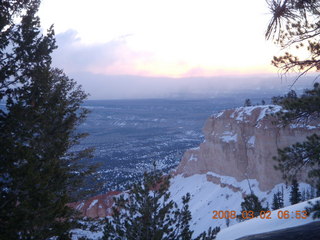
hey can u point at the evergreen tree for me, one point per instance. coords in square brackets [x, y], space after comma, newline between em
[305, 155]
[147, 213]
[315, 209]
[209, 235]
[303, 196]
[39, 174]
[296, 23]
[295, 195]
[251, 203]
[312, 193]
[277, 201]
[247, 103]
[308, 195]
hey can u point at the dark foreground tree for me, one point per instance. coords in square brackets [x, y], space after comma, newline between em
[304, 156]
[296, 23]
[314, 208]
[147, 213]
[39, 174]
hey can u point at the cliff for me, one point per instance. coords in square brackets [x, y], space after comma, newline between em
[241, 143]
[234, 160]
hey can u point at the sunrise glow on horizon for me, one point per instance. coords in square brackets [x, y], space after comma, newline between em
[162, 38]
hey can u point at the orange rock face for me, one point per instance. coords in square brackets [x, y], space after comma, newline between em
[241, 143]
[96, 207]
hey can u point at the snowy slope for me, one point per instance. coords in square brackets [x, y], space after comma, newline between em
[207, 196]
[258, 225]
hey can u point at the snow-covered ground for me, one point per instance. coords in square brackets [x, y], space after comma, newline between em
[78, 233]
[207, 197]
[212, 192]
[258, 225]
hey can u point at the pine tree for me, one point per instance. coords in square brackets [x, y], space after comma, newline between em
[247, 103]
[209, 235]
[277, 201]
[281, 199]
[251, 203]
[308, 195]
[303, 196]
[315, 209]
[296, 23]
[147, 213]
[295, 195]
[39, 174]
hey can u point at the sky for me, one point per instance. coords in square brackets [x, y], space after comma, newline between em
[159, 45]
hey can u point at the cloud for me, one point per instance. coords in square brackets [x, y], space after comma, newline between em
[112, 70]
[74, 56]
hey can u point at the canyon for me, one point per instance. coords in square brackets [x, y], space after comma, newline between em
[235, 159]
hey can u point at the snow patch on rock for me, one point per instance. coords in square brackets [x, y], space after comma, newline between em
[228, 136]
[251, 141]
[94, 202]
[193, 158]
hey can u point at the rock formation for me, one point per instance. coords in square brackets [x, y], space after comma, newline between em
[241, 143]
[97, 206]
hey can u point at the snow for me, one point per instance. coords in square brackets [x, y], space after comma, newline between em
[251, 141]
[228, 136]
[78, 233]
[207, 196]
[242, 112]
[269, 109]
[80, 206]
[192, 158]
[258, 225]
[300, 125]
[219, 114]
[94, 202]
[195, 148]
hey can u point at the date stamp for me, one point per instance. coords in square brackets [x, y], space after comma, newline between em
[280, 214]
